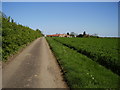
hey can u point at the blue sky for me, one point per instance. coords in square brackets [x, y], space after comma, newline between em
[63, 17]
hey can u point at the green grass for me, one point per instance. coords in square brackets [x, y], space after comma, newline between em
[80, 71]
[105, 51]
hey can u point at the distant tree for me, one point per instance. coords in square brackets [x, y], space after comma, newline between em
[12, 21]
[80, 35]
[84, 33]
[68, 33]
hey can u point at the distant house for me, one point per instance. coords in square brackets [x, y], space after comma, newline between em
[54, 35]
[58, 35]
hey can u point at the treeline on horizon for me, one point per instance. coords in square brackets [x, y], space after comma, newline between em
[15, 36]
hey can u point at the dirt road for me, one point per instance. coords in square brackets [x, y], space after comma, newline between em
[34, 67]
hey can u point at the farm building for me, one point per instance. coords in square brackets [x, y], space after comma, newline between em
[58, 35]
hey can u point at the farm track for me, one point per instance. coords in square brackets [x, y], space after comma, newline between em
[34, 67]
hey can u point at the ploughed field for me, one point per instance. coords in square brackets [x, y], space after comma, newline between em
[88, 62]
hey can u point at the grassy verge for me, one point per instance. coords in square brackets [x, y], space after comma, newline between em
[15, 53]
[80, 71]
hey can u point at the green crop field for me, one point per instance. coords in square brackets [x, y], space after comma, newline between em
[88, 62]
[105, 51]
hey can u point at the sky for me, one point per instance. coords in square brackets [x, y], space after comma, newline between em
[60, 0]
[62, 17]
